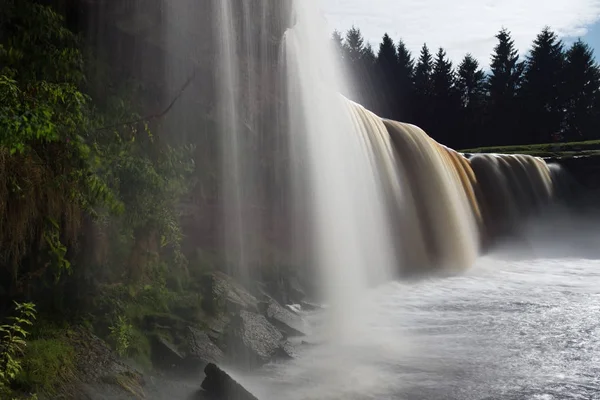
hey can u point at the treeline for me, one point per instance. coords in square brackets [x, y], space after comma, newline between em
[552, 95]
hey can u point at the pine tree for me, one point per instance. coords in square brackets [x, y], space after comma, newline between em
[503, 83]
[470, 87]
[358, 61]
[442, 76]
[368, 55]
[423, 89]
[405, 72]
[445, 101]
[353, 45]
[338, 43]
[387, 60]
[582, 93]
[542, 90]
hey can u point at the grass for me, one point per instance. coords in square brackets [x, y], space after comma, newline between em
[590, 147]
[47, 365]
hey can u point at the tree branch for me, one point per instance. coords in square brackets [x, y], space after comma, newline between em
[159, 115]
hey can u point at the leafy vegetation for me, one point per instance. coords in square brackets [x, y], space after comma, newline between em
[13, 345]
[88, 195]
[47, 365]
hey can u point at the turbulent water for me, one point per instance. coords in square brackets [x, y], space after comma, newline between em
[518, 325]
[506, 329]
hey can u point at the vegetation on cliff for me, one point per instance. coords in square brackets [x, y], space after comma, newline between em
[88, 223]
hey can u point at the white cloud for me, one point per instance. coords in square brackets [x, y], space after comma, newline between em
[461, 26]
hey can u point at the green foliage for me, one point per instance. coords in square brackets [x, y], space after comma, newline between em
[47, 365]
[121, 334]
[62, 157]
[47, 180]
[13, 345]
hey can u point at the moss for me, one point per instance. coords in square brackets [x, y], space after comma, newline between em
[47, 365]
[140, 350]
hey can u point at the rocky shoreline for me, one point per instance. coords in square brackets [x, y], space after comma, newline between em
[244, 329]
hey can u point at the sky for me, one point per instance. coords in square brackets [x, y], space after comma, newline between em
[465, 26]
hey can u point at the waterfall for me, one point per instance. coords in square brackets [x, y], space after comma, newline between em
[373, 199]
[439, 207]
[348, 224]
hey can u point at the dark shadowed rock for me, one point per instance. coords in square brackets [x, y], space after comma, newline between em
[254, 341]
[289, 323]
[218, 385]
[165, 354]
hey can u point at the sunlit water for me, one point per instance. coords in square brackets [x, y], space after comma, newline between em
[505, 330]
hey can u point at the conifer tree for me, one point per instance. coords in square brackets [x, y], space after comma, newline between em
[470, 87]
[423, 89]
[353, 45]
[387, 61]
[445, 101]
[582, 93]
[543, 89]
[405, 72]
[503, 83]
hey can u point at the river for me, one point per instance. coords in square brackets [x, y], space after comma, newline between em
[517, 325]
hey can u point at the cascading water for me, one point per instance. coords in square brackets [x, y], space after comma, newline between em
[383, 197]
[349, 226]
[237, 174]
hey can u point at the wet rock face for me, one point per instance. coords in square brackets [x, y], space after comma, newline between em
[289, 323]
[227, 293]
[201, 349]
[254, 341]
[99, 373]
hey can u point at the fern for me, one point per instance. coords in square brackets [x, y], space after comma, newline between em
[12, 344]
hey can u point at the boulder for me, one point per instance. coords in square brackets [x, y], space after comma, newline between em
[226, 293]
[253, 341]
[289, 323]
[218, 385]
[201, 350]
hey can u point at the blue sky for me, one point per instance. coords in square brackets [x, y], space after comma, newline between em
[593, 39]
[463, 26]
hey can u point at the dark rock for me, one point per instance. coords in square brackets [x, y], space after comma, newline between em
[217, 326]
[165, 354]
[254, 341]
[227, 294]
[218, 385]
[287, 322]
[201, 350]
